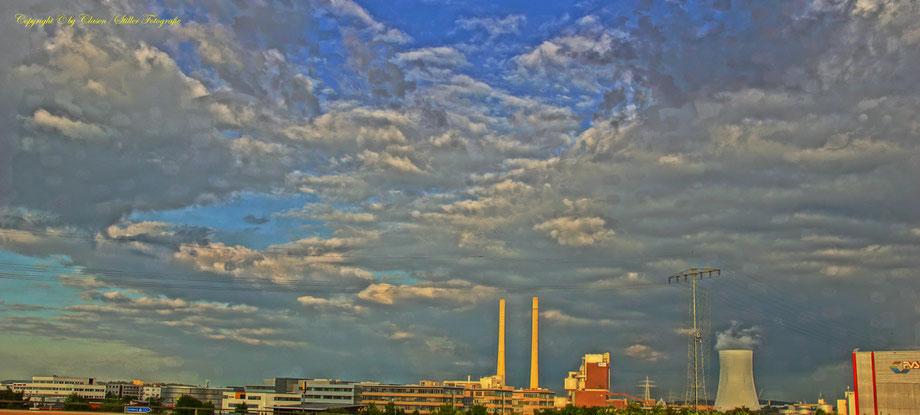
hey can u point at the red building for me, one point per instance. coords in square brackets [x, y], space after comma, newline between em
[590, 385]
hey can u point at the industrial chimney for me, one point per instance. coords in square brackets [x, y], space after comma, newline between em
[736, 381]
[534, 348]
[500, 370]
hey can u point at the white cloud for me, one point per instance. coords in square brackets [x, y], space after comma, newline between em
[450, 292]
[494, 26]
[574, 231]
[68, 127]
[644, 352]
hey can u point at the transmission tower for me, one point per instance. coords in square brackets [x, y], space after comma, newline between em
[699, 322]
[646, 386]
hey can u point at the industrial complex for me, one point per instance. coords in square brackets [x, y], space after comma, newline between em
[885, 383]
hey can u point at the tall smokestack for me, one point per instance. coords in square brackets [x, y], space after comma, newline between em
[500, 370]
[736, 381]
[534, 348]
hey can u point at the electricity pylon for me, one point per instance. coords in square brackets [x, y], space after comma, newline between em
[699, 313]
[646, 386]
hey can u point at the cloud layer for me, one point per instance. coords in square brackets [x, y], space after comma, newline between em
[296, 181]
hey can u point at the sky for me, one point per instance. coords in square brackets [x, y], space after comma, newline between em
[341, 189]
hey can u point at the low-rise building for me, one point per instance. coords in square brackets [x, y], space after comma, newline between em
[133, 390]
[281, 394]
[149, 392]
[171, 393]
[329, 391]
[56, 389]
[425, 397]
[527, 401]
[257, 402]
[489, 392]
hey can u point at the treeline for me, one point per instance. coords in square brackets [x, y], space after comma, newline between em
[634, 409]
[76, 402]
[185, 405]
[12, 400]
[631, 409]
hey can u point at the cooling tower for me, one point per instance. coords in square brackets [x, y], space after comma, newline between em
[500, 370]
[534, 348]
[736, 381]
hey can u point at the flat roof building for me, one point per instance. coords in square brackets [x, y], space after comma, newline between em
[425, 397]
[886, 382]
[171, 393]
[489, 392]
[56, 389]
[257, 402]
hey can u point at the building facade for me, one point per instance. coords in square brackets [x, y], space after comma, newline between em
[329, 391]
[171, 393]
[56, 389]
[886, 382]
[133, 390]
[590, 385]
[257, 402]
[150, 392]
[425, 397]
[489, 392]
[526, 401]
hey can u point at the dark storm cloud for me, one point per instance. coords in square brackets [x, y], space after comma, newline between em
[777, 143]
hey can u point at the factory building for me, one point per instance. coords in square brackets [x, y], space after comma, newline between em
[590, 385]
[886, 382]
[56, 389]
[490, 392]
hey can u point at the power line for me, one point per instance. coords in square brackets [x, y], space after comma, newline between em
[277, 250]
[187, 281]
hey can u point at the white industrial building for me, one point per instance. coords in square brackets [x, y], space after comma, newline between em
[290, 393]
[886, 383]
[258, 402]
[330, 391]
[56, 389]
[171, 393]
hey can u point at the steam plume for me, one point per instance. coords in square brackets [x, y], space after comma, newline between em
[736, 337]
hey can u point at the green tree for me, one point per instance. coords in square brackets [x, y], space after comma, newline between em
[156, 405]
[186, 405]
[9, 395]
[372, 409]
[115, 404]
[415, 412]
[208, 409]
[76, 402]
[390, 408]
[446, 410]
[241, 408]
[478, 410]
